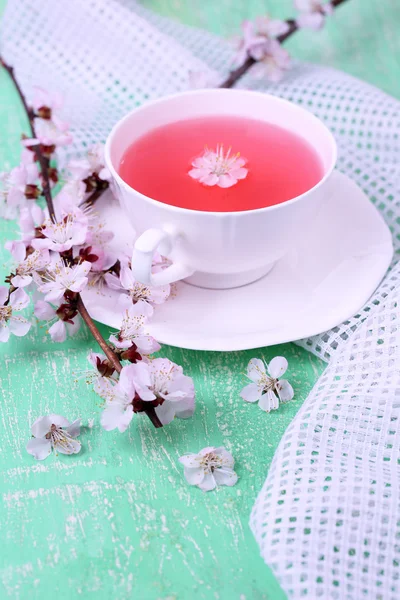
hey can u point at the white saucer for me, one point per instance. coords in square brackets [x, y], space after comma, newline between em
[326, 280]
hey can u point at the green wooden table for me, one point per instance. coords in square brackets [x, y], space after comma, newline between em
[119, 520]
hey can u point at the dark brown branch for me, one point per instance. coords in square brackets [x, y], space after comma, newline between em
[43, 161]
[238, 73]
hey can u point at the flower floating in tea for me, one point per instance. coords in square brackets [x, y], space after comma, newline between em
[218, 168]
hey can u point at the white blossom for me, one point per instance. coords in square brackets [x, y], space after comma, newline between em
[132, 330]
[218, 168]
[54, 432]
[267, 389]
[59, 278]
[210, 468]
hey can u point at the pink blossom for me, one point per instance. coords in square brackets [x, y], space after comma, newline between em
[17, 249]
[60, 278]
[274, 64]
[312, 13]
[132, 330]
[36, 261]
[218, 168]
[15, 185]
[9, 321]
[174, 389]
[118, 409]
[136, 291]
[30, 218]
[93, 162]
[70, 230]
[49, 133]
[44, 99]
[60, 327]
[256, 36]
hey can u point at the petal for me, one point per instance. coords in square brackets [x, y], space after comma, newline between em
[58, 331]
[165, 412]
[79, 284]
[226, 456]
[114, 416]
[41, 426]
[255, 369]
[3, 294]
[190, 461]
[210, 179]
[269, 401]
[126, 278]
[40, 448]
[19, 299]
[185, 408]
[44, 311]
[226, 181]
[74, 429]
[147, 344]
[194, 476]
[73, 327]
[112, 281]
[277, 367]
[208, 483]
[225, 476]
[19, 326]
[285, 390]
[251, 392]
[17, 250]
[240, 173]
[314, 21]
[59, 421]
[20, 281]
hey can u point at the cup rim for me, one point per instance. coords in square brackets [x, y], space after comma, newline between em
[207, 91]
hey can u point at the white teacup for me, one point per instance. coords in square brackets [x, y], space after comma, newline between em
[217, 249]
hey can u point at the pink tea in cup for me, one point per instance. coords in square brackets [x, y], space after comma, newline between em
[221, 164]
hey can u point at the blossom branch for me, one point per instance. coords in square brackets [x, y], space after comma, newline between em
[75, 301]
[293, 26]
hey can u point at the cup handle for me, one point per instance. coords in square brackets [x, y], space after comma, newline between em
[142, 258]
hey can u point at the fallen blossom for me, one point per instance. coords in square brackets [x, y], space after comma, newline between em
[312, 13]
[132, 330]
[267, 387]
[134, 290]
[9, 321]
[64, 318]
[210, 468]
[218, 168]
[59, 278]
[53, 432]
[70, 230]
[30, 264]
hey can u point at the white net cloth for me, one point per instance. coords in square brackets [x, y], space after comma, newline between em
[328, 517]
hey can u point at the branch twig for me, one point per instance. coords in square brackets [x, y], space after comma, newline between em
[236, 74]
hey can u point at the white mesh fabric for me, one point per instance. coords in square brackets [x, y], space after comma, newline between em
[327, 517]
